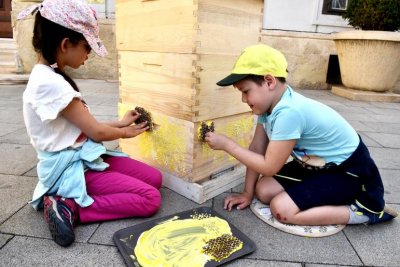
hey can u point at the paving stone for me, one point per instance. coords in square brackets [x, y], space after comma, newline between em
[369, 142]
[394, 118]
[273, 244]
[324, 265]
[28, 251]
[12, 115]
[6, 128]
[261, 263]
[171, 203]
[382, 127]
[28, 222]
[376, 245]
[15, 192]
[103, 110]
[385, 139]
[391, 184]
[359, 117]
[385, 158]
[4, 239]
[359, 126]
[19, 136]
[382, 110]
[17, 159]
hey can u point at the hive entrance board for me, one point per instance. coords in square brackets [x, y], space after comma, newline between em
[127, 239]
[201, 192]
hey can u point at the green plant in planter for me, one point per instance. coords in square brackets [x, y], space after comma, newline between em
[374, 15]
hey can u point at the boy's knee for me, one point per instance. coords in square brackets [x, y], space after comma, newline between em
[280, 210]
[262, 193]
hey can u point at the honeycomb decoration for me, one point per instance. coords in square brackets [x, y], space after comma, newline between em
[222, 247]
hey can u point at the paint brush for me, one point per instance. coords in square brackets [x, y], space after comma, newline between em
[204, 128]
[145, 116]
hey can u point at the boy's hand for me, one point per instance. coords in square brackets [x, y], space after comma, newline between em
[216, 141]
[130, 117]
[242, 201]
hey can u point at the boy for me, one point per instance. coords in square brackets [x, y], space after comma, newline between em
[332, 179]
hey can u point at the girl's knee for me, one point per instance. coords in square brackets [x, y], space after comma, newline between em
[157, 181]
[152, 203]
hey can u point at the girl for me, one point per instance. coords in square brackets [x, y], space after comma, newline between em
[79, 180]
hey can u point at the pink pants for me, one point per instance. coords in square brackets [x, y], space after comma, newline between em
[128, 188]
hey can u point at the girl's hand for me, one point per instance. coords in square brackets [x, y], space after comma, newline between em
[242, 201]
[216, 141]
[135, 130]
[129, 118]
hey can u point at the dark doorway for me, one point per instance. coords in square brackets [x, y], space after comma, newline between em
[5, 19]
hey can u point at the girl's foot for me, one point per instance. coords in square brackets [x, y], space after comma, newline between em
[59, 214]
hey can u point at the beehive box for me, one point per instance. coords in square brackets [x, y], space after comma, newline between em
[171, 54]
[188, 26]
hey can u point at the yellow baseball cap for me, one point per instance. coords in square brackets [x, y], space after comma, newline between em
[257, 59]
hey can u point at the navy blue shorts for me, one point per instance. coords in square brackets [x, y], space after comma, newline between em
[357, 178]
[312, 188]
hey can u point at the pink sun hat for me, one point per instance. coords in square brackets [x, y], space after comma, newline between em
[75, 15]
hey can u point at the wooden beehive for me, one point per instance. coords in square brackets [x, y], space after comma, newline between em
[171, 54]
[188, 26]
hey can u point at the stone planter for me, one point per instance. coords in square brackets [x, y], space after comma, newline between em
[369, 60]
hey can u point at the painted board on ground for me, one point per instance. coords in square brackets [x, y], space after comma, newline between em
[127, 239]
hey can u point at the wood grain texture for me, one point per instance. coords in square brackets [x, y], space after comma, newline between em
[184, 26]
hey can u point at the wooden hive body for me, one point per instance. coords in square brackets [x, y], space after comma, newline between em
[171, 54]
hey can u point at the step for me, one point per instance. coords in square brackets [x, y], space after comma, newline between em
[7, 56]
[8, 44]
[13, 79]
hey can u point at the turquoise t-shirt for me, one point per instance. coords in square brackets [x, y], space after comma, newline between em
[319, 129]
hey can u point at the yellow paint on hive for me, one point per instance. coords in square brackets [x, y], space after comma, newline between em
[237, 130]
[179, 242]
[165, 144]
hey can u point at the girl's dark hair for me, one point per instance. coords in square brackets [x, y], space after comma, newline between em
[259, 79]
[47, 37]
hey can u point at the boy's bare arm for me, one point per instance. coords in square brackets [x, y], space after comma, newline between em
[258, 145]
[268, 165]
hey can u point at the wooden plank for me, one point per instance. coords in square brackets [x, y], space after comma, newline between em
[179, 85]
[213, 101]
[226, 27]
[160, 25]
[201, 192]
[163, 82]
[183, 26]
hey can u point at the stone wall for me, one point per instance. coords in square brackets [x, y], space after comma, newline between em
[307, 55]
[95, 67]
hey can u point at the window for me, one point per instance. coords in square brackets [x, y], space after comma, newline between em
[334, 7]
[104, 8]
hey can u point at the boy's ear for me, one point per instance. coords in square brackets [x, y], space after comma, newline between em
[270, 80]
